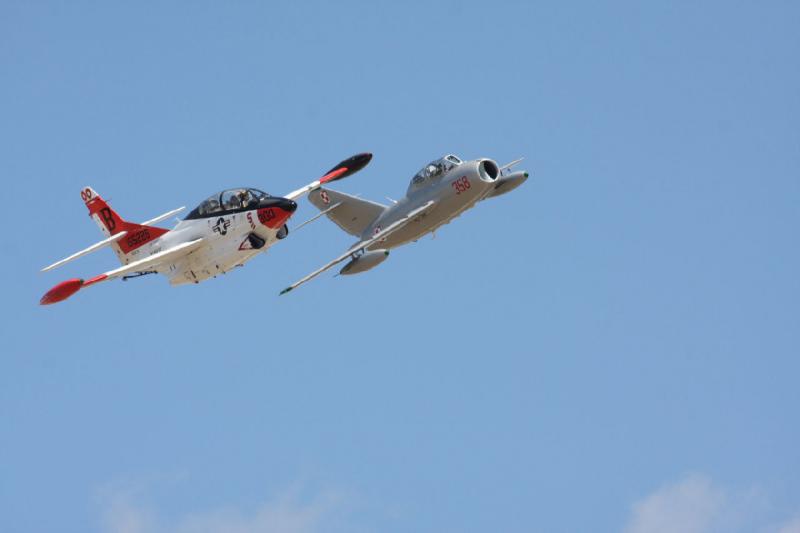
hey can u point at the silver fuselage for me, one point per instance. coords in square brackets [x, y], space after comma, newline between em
[455, 191]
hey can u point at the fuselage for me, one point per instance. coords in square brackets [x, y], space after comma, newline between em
[232, 235]
[453, 191]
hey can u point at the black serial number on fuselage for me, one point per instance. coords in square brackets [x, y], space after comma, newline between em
[138, 238]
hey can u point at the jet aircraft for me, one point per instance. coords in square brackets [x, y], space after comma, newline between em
[223, 232]
[438, 193]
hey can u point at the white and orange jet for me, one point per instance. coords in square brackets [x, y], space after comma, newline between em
[224, 232]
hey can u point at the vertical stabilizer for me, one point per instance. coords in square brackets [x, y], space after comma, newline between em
[110, 223]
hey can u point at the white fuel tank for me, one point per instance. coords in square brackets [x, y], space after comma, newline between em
[364, 262]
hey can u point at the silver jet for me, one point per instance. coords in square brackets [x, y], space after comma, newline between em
[438, 193]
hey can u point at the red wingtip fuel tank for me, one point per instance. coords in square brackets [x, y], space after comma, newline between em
[347, 167]
[62, 291]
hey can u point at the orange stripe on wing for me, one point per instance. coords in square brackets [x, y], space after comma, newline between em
[330, 176]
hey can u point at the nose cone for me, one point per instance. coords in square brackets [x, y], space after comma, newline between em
[279, 203]
[274, 212]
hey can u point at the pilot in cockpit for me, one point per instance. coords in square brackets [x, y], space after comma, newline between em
[432, 170]
[245, 198]
[233, 202]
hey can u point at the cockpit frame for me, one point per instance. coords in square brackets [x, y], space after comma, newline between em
[434, 170]
[227, 202]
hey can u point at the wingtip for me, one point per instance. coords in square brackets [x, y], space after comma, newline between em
[62, 291]
[348, 167]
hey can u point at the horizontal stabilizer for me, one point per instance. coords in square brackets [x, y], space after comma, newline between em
[90, 249]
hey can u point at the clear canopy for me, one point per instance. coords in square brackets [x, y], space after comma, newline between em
[434, 169]
[230, 200]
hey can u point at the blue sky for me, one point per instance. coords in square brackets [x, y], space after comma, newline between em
[612, 347]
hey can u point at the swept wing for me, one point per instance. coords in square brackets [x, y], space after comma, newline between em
[65, 289]
[363, 244]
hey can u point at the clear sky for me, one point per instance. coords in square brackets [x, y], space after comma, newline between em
[615, 346]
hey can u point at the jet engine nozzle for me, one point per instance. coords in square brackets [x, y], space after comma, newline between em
[488, 170]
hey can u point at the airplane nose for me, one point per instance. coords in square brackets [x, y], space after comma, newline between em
[288, 205]
[274, 212]
[280, 203]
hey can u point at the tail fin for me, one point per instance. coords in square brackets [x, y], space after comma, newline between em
[111, 223]
[353, 214]
[107, 219]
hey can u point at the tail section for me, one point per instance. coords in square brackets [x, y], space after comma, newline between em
[352, 214]
[107, 219]
[110, 223]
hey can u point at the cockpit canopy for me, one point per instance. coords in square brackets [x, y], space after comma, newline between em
[229, 201]
[434, 170]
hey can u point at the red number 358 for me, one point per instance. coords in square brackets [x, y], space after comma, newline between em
[461, 184]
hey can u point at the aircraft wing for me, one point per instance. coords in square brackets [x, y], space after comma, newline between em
[363, 244]
[65, 289]
[151, 261]
[342, 170]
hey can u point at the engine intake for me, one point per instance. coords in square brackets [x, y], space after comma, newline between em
[489, 170]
